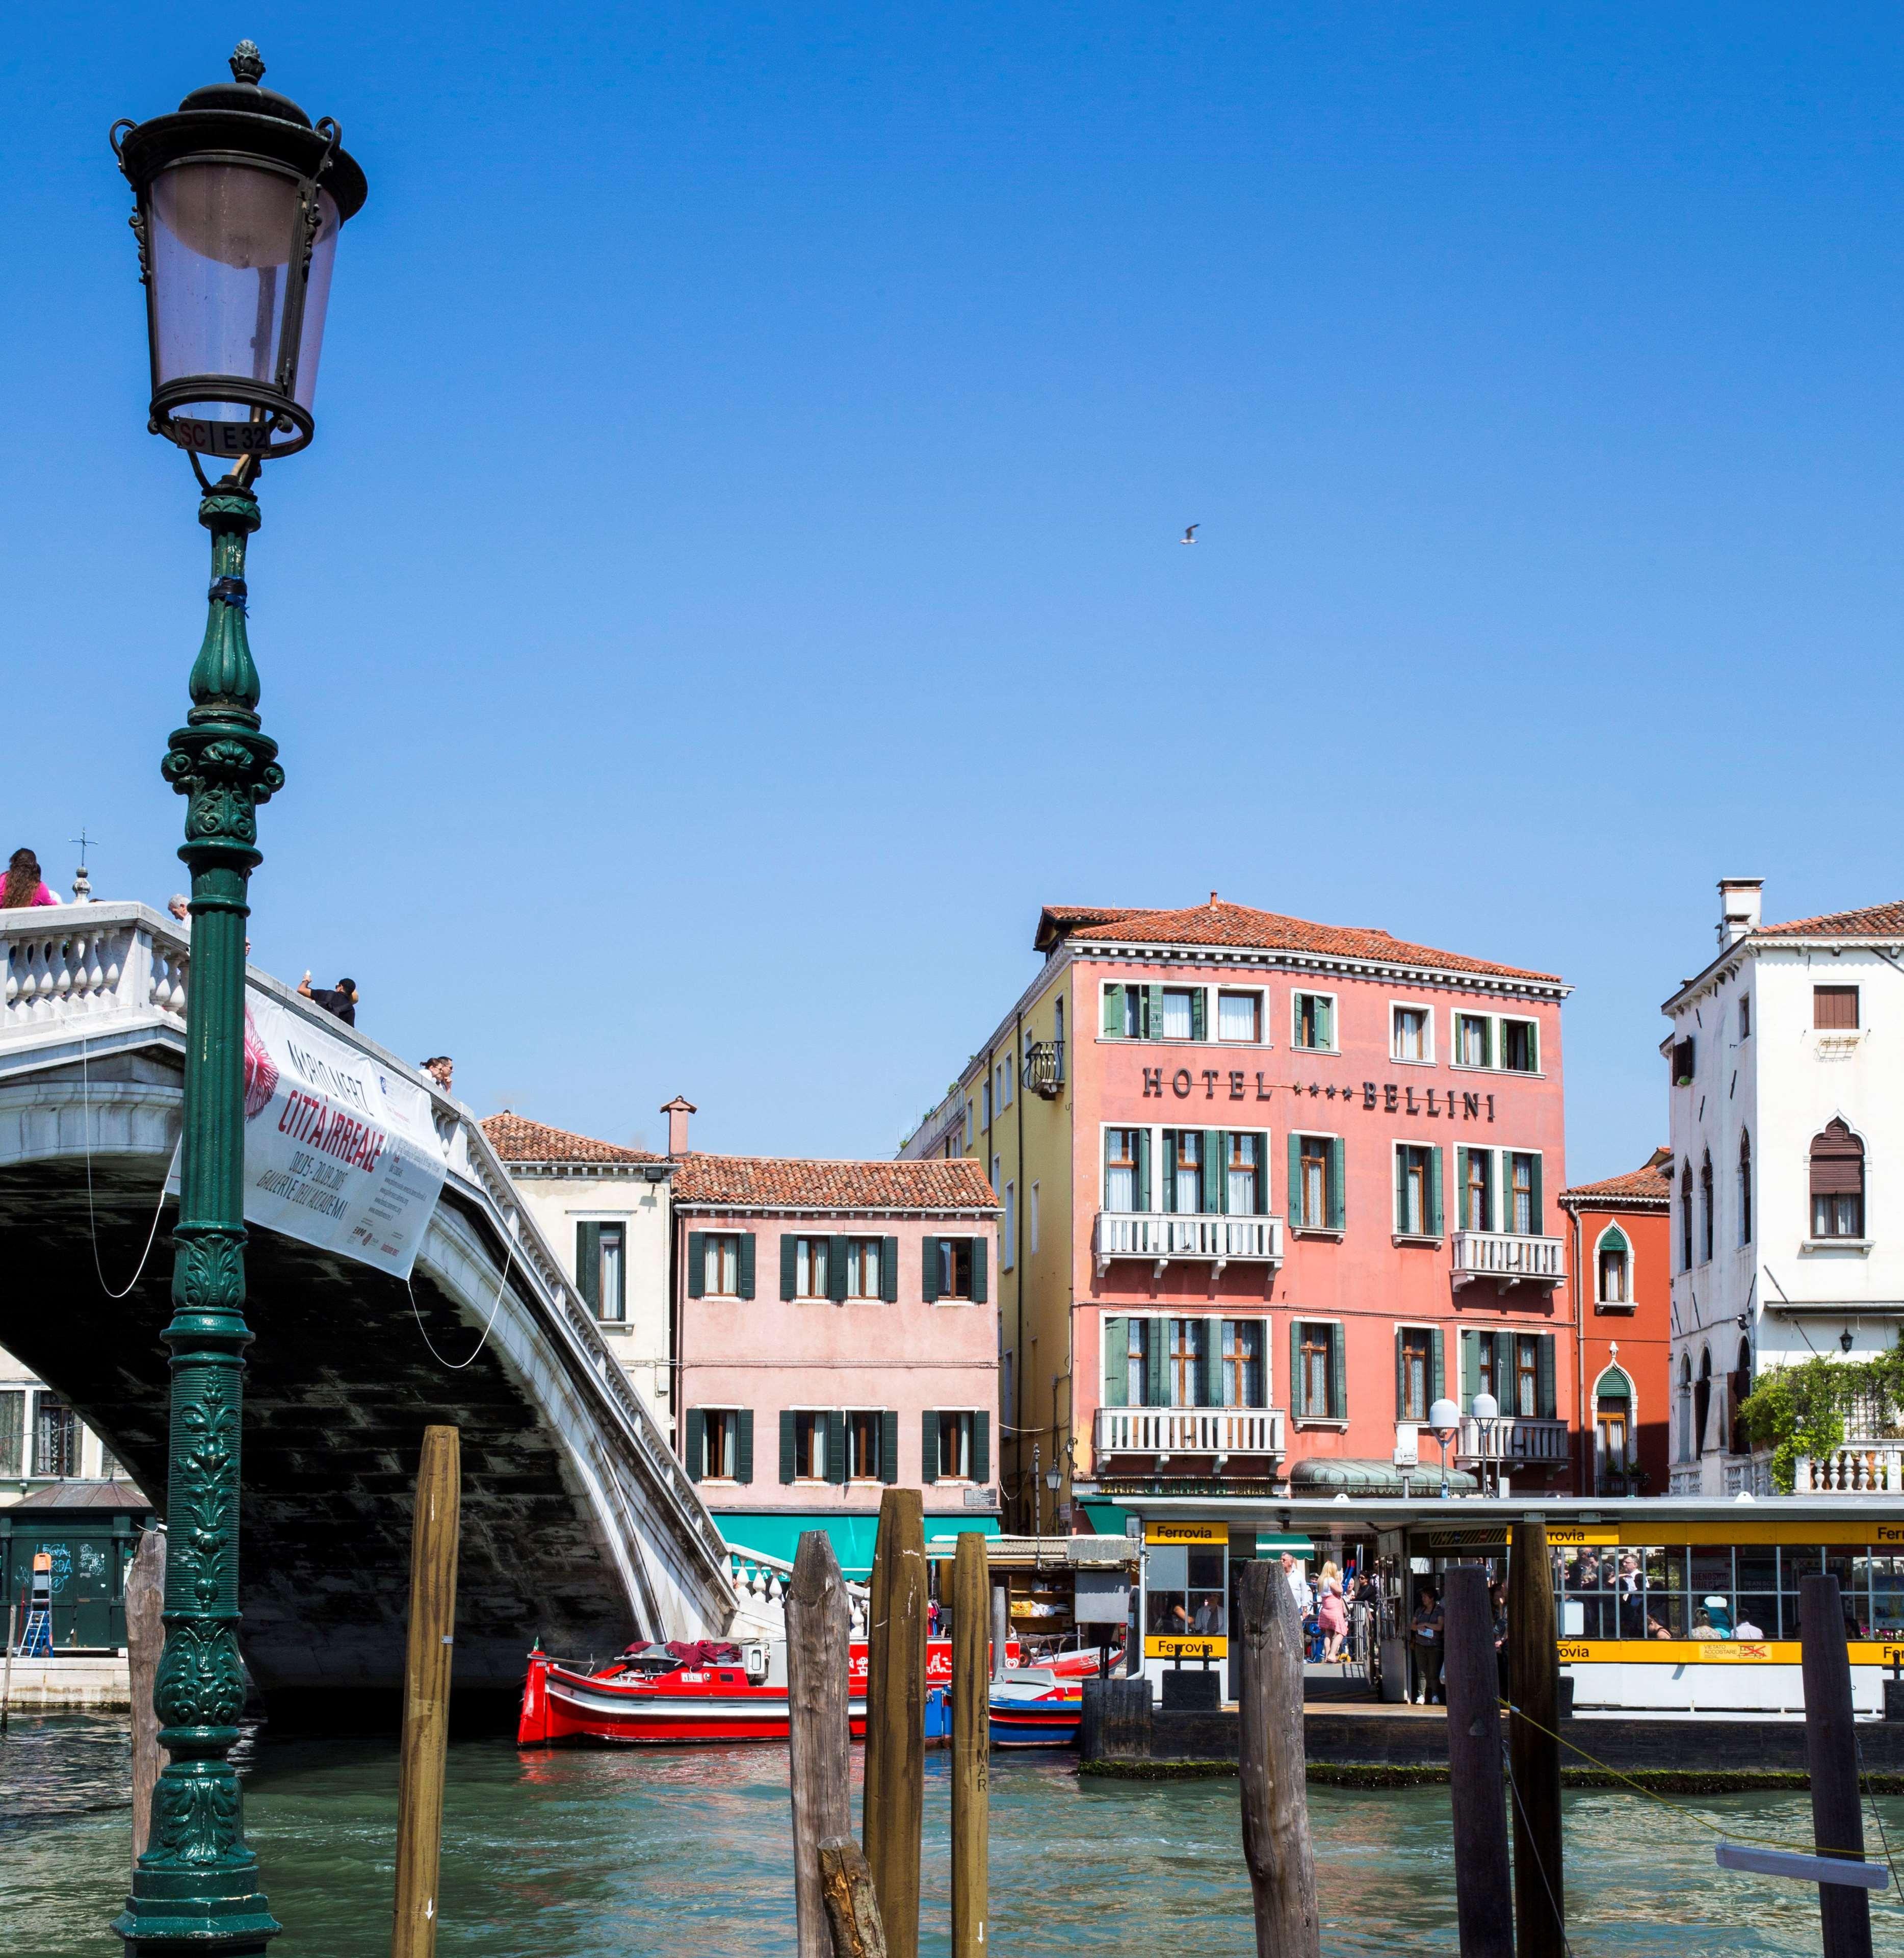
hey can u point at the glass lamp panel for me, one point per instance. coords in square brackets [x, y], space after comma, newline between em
[317, 298]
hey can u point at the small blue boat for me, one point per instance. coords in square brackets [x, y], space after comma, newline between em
[1033, 1707]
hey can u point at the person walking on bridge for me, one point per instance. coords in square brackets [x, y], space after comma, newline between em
[22, 887]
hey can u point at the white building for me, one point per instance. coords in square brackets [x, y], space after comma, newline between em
[604, 1208]
[42, 1440]
[1786, 1060]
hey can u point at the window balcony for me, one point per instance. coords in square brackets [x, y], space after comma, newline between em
[1503, 1254]
[1162, 1433]
[1857, 1469]
[1216, 1241]
[1045, 1069]
[1517, 1440]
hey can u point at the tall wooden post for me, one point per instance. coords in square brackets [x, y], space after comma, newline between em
[426, 1693]
[6, 1681]
[819, 1629]
[1483, 1886]
[1534, 1748]
[895, 1795]
[145, 1639]
[1831, 1756]
[971, 1751]
[1276, 1845]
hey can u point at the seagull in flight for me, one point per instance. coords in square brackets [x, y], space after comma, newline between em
[1190, 536]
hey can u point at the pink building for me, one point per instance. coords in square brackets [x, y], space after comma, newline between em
[836, 1332]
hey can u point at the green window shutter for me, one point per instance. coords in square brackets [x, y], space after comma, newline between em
[928, 1446]
[1401, 1187]
[1216, 1147]
[1153, 1012]
[1533, 1174]
[1199, 1008]
[1143, 1169]
[1505, 1382]
[835, 1445]
[981, 1277]
[588, 1265]
[889, 1445]
[1338, 1374]
[1337, 1182]
[786, 1444]
[889, 1270]
[696, 1263]
[1166, 1169]
[1543, 1366]
[1212, 1384]
[746, 1261]
[929, 1255]
[1434, 1191]
[1463, 1221]
[1113, 1011]
[1297, 1384]
[1117, 1361]
[790, 1263]
[982, 1446]
[836, 1270]
[744, 1446]
[1470, 1369]
[1263, 1174]
[696, 1443]
[1437, 1383]
[1292, 1190]
[1154, 1394]
[1325, 1023]
[1401, 1375]
[1533, 1046]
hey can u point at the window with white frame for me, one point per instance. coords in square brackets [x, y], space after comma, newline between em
[1003, 1098]
[1613, 1266]
[955, 1446]
[1239, 1016]
[1313, 1017]
[984, 1103]
[721, 1268]
[1184, 1154]
[809, 1462]
[1417, 1190]
[810, 1256]
[1520, 1046]
[1246, 1346]
[1180, 1013]
[1522, 1196]
[1473, 1041]
[1410, 1038]
[1318, 1390]
[866, 1444]
[720, 1443]
[1122, 1156]
[1008, 1239]
[1244, 1174]
[1031, 1214]
[863, 1256]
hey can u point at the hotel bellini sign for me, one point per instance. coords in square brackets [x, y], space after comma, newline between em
[1391, 1097]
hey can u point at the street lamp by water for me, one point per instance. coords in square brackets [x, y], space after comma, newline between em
[239, 200]
[1444, 1423]
[1487, 1411]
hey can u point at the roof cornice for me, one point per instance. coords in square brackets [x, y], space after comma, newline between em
[1732, 958]
[1415, 972]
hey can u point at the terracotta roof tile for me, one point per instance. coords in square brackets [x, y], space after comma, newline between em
[1219, 924]
[808, 1183]
[516, 1140]
[1875, 921]
[1649, 1185]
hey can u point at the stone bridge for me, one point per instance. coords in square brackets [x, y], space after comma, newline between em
[578, 1522]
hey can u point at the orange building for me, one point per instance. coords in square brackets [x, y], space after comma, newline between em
[1619, 1264]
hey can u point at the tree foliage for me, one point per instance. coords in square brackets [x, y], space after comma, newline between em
[1803, 1410]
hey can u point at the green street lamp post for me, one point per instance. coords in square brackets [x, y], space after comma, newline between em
[240, 201]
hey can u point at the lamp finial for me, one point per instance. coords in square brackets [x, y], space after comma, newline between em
[248, 65]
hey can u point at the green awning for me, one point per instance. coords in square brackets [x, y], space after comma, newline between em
[777, 1533]
[1107, 1519]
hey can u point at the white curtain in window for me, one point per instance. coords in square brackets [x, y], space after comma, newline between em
[1242, 1177]
[1189, 1192]
[1176, 1016]
[1236, 1016]
[1120, 1187]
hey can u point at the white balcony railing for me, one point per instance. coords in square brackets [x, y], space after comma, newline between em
[1503, 1254]
[94, 968]
[1859, 1468]
[1163, 1431]
[1160, 1237]
[1520, 1439]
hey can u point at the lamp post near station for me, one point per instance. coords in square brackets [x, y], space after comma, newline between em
[240, 199]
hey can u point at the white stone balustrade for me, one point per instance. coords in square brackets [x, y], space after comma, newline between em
[1504, 1254]
[1161, 1237]
[761, 1583]
[1189, 1431]
[1516, 1438]
[95, 964]
[1857, 1468]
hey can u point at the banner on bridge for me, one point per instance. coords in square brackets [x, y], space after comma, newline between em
[339, 1152]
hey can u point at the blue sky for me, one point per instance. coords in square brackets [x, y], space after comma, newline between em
[735, 583]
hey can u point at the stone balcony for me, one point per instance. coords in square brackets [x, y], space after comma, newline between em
[1517, 1440]
[1508, 1257]
[1162, 1433]
[1856, 1469]
[1161, 1238]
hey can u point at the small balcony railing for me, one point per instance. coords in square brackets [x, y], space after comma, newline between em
[1161, 1432]
[1515, 1439]
[1160, 1237]
[1857, 1469]
[1504, 1254]
[1044, 1068]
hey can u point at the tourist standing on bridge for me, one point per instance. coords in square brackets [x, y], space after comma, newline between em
[340, 1000]
[22, 887]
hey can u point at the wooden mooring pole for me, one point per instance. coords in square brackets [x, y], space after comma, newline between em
[1831, 1758]
[819, 1629]
[6, 1684]
[895, 1792]
[852, 1909]
[1533, 1746]
[426, 1693]
[145, 1641]
[1483, 1884]
[971, 1751]
[1276, 1844]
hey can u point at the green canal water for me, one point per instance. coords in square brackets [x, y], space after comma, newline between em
[585, 1855]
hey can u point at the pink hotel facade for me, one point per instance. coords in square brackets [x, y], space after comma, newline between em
[1269, 1189]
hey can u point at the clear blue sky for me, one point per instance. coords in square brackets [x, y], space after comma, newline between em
[735, 581]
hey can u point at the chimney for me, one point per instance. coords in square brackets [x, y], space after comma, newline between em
[1740, 903]
[440, 1069]
[677, 1111]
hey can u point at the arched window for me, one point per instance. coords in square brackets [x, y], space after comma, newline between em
[1612, 1433]
[1686, 1219]
[1745, 1189]
[1613, 1266]
[1705, 1210]
[1686, 1407]
[1837, 1182]
[1742, 1386]
[1702, 1403]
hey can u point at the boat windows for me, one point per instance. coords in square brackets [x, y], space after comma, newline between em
[1184, 1592]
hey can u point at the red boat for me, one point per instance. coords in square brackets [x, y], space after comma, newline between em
[706, 1692]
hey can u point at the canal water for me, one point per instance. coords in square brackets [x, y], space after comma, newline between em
[585, 1855]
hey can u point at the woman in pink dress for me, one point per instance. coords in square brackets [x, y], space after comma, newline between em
[1334, 1613]
[22, 887]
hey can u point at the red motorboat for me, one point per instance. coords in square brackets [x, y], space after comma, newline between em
[707, 1691]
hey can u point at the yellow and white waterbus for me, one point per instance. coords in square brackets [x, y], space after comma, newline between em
[1671, 1605]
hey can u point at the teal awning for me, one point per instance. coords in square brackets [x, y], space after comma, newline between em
[1107, 1519]
[777, 1533]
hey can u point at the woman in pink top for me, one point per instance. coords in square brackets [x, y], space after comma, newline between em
[22, 886]
[1333, 1613]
